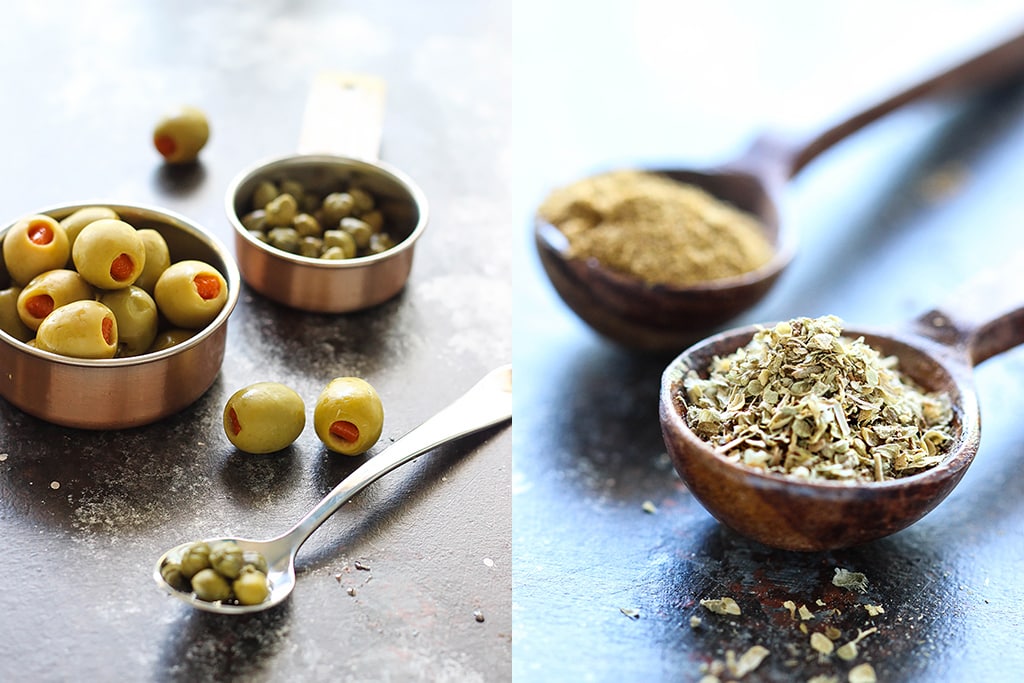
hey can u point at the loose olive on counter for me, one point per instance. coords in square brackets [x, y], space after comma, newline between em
[109, 254]
[348, 416]
[264, 417]
[48, 291]
[190, 293]
[80, 329]
[137, 318]
[34, 245]
[180, 135]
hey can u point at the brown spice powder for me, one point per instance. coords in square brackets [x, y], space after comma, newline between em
[656, 229]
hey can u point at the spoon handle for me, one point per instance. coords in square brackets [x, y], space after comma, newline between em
[487, 403]
[983, 318]
[778, 154]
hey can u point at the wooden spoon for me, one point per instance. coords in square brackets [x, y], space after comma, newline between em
[937, 350]
[669, 318]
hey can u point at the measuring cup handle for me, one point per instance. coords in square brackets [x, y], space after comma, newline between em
[985, 317]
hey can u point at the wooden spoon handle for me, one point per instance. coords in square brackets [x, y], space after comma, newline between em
[983, 318]
[786, 155]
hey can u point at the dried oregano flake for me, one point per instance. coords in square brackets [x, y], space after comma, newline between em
[851, 581]
[804, 401]
[721, 605]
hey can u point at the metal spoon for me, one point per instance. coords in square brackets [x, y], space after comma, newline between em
[937, 349]
[667, 318]
[486, 404]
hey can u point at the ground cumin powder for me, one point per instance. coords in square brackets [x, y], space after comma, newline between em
[654, 228]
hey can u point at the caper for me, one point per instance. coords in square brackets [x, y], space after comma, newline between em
[359, 230]
[259, 235]
[334, 254]
[285, 239]
[208, 585]
[293, 187]
[380, 242]
[171, 571]
[362, 201]
[307, 226]
[311, 246]
[255, 559]
[337, 205]
[255, 220]
[375, 219]
[227, 559]
[265, 191]
[281, 210]
[251, 587]
[195, 558]
[342, 240]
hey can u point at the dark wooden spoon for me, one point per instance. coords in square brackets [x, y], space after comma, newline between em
[938, 350]
[667, 318]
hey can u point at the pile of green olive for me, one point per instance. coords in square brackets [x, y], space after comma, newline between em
[94, 286]
[268, 416]
[343, 224]
[222, 572]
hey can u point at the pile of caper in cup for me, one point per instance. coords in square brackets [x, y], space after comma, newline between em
[342, 224]
[93, 286]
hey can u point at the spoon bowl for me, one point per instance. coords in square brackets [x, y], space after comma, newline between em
[936, 350]
[487, 404]
[660, 318]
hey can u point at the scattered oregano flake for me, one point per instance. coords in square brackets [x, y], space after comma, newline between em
[721, 605]
[630, 612]
[874, 610]
[851, 581]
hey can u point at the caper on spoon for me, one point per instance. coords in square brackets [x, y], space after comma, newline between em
[486, 404]
[663, 317]
[937, 350]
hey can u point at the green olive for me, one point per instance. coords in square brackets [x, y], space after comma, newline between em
[158, 259]
[34, 245]
[80, 329]
[264, 417]
[251, 587]
[349, 416]
[210, 586]
[190, 294]
[195, 558]
[227, 559]
[74, 223]
[137, 318]
[10, 321]
[48, 291]
[109, 254]
[180, 135]
[165, 339]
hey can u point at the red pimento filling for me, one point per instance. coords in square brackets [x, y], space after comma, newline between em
[236, 426]
[40, 233]
[207, 286]
[107, 327]
[345, 430]
[39, 306]
[165, 144]
[122, 268]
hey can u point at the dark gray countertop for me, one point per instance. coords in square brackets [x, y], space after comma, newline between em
[668, 83]
[84, 515]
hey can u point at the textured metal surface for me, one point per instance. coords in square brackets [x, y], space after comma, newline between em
[890, 222]
[84, 515]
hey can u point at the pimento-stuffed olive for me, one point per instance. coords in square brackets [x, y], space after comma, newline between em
[48, 291]
[10, 321]
[34, 245]
[190, 293]
[137, 318]
[180, 135]
[74, 223]
[264, 417]
[348, 416]
[80, 329]
[109, 254]
[158, 259]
